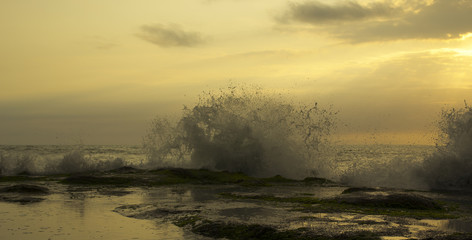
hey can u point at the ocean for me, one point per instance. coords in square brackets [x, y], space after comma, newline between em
[353, 164]
[119, 212]
[50, 159]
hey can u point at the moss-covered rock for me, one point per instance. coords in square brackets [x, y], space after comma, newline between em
[202, 176]
[25, 189]
[240, 231]
[23, 193]
[271, 198]
[127, 169]
[317, 181]
[389, 200]
[360, 189]
[102, 180]
[393, 204]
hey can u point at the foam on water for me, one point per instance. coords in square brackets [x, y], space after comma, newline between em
[53, 159]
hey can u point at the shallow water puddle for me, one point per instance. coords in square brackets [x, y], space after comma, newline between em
[394, 238]
[450, 225]
[82, 215]
[73, 212]
[335, 223]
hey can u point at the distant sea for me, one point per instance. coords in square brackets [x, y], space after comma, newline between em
[40, 159]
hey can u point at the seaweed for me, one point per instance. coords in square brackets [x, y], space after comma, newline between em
[271, 198]
[399, 205]
[240, 231]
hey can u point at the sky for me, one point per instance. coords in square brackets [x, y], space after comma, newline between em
[98, 72]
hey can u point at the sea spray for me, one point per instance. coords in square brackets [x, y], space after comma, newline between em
[448, 166]
[41, 160]
[386, 166]
[77, 161]
[244, 129]
[451, 164]
[20, 163]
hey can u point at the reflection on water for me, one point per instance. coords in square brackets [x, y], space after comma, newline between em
[72, 212]
[451, 225]
[186, 194]
[394, 238]
[82, 215]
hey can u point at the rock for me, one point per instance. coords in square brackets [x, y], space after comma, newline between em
[21, 200]
[23, 193]
[25, 189]
[102, 180]
[127, 169]
[360, 189]
[389, 200]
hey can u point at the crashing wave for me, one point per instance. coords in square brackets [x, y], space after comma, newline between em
[244, 130]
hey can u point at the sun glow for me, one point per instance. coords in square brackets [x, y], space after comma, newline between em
[458, 51]
[463, 52]
[466, 36]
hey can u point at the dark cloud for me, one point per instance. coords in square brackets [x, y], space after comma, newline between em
[170, 36]
[443, 19]
[320, 13]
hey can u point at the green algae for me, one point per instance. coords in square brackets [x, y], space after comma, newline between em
[201, 176]
[164, 176]
[240, 231]
[335, 207]
[172, 176]
[187, 220]
[25, 189]
[271, 198]
[398, 209]
[23, 178]
[359, 189]
[102, 180]
[278, 179]
[23, 193]
[317, 181]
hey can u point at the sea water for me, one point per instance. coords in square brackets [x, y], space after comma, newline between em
[251, 131]
[81, 212]
[380, 165]
[78, 213]
[377, 165]
[52, 159]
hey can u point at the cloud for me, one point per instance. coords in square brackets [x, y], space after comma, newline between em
[170, 36]
[381, 21]
[403, 93]
[320, 13]
[405, 78]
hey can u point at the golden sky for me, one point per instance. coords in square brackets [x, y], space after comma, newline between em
[97, 71]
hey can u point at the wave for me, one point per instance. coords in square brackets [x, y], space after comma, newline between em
[244, 129]
[263, 133]
[75, 161]
[451, 164]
